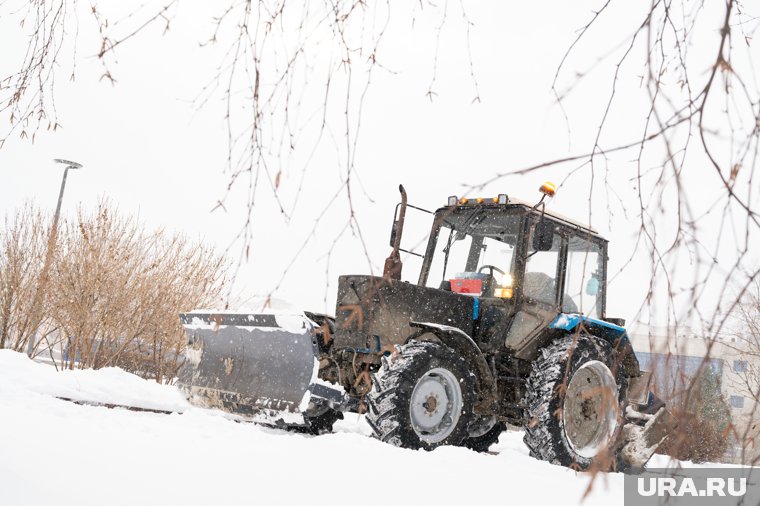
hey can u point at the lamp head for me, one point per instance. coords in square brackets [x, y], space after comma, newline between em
[69, 164]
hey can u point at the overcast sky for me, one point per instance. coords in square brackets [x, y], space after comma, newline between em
[149, 148]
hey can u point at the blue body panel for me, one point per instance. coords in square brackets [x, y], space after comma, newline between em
[614, 334]
[568, 321]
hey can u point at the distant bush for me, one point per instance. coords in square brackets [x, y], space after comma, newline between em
[113, 293]
[704, 422]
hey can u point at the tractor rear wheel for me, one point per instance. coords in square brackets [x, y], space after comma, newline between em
[574, 402]
[422, 398]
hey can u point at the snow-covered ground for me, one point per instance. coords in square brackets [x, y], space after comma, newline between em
[54, 452]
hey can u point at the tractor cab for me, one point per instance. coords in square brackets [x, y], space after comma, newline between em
[523, 265]
[507, 249]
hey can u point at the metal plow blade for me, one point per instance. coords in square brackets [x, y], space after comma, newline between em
[262, 366]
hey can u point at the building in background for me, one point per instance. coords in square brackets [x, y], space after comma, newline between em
[676, 357]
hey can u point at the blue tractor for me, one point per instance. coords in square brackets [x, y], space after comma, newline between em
[506, 324]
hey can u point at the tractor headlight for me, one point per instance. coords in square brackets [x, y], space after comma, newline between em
[453, 200]
[504, 288]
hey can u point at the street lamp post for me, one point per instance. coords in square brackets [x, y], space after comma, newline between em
[49, 253]
[69, 165]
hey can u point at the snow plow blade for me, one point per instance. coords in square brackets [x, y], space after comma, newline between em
[262, 366]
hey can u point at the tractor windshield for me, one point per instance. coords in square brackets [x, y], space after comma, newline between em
[474, 245]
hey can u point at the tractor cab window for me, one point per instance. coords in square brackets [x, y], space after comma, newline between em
[583, 282]
[540, 283]
[451, 254]
[473, 253]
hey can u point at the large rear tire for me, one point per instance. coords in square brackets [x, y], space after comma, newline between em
[574, 402]
[422, 398]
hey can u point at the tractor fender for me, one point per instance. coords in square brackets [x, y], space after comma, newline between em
[463, 344]
[614, 334]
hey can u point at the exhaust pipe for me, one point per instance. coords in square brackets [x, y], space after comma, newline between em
[392, 268]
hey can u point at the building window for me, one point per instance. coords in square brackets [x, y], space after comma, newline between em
[740, 366]
[737, 401]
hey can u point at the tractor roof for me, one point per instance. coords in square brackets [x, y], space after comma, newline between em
[556, 216]
[514, 202]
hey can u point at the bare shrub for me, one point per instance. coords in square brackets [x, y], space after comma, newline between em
[118, 292]
[23, 242]
[114, 291]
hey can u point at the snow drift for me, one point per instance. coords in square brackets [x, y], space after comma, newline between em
[57, 452]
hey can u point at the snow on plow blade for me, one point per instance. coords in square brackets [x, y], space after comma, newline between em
[259, 365]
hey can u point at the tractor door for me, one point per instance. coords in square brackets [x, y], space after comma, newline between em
[539, 287]
[585, 276]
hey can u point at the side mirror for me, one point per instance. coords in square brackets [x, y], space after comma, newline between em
[543, 235]
[592, 287]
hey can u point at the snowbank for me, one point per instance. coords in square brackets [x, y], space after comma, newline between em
[20, 376]
[58, 452]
